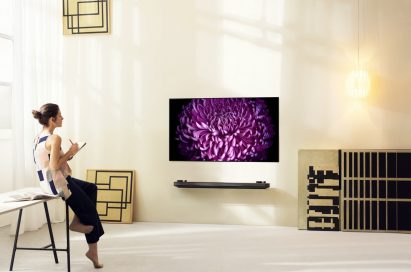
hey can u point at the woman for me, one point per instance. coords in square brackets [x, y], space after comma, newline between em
[54, 175]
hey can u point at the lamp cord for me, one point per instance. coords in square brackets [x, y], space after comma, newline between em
[358, 35]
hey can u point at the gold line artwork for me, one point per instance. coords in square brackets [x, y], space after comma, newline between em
[86, 16]
[115, 194]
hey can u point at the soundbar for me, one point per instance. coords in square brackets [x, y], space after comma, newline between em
[221, 185]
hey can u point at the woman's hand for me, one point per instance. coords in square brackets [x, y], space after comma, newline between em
[73, 150]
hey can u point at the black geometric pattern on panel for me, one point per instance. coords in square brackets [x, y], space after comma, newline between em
[125, 193]
[74, 20]
[376, 190]
[323, 200]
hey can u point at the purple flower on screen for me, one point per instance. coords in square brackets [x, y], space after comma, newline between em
[225, 129]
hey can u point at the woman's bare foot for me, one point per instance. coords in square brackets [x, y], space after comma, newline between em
[77, 226]
[94, 259]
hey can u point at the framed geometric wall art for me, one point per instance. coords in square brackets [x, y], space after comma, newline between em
[115, 194]
[86, 16]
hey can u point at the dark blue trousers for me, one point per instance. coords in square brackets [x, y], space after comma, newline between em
[83, 203]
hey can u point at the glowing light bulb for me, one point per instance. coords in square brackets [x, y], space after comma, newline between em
[358, 83]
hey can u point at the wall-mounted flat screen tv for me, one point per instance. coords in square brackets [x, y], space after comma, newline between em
[224, 129]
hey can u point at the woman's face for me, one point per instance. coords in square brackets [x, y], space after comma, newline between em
[58, 120]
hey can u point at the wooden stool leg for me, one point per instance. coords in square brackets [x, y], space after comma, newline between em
[16, 237]
[53, 245]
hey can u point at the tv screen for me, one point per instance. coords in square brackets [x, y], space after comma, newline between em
[224, 129]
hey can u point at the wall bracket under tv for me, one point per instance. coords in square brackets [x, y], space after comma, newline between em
[221, 185]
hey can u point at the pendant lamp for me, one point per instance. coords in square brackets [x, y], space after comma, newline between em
[358, 83]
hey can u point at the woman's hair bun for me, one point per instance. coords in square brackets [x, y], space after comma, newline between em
[36, 114]
[46, 112]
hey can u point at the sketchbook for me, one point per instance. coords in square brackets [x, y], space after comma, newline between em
[27, 194]
[80, 146]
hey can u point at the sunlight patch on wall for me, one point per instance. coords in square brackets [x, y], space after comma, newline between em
[246, 9]
[89, 62]
[240, 29]
[274, 38]
[115, 71]
[135, 22]
[208, 56]
[274, 12]
[137, 88]
[248, 67]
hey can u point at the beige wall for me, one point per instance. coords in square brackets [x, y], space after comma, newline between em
[302, 51]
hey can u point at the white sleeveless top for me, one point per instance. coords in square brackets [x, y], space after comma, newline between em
[49, 183]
